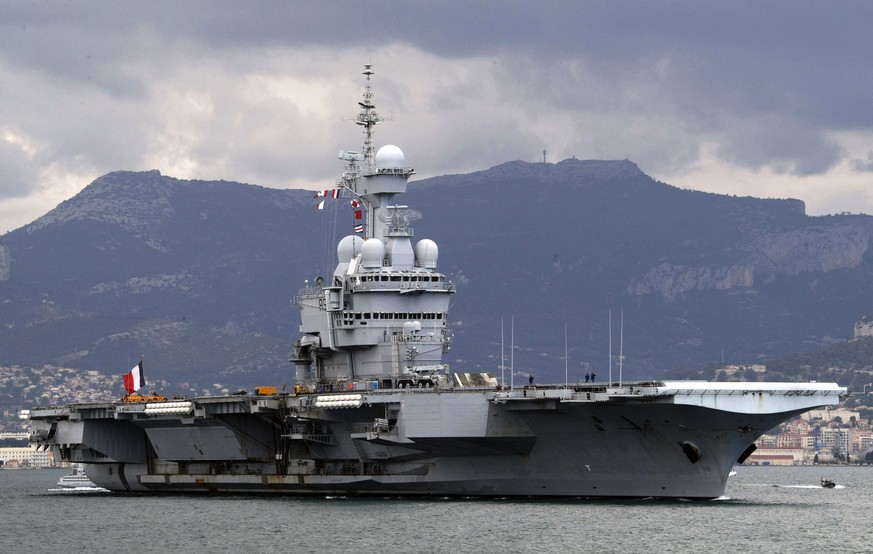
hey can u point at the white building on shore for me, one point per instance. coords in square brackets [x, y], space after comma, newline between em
[23, 455]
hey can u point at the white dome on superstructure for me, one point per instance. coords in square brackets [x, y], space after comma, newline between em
[426, 254]
[348, 248]
[390, 157]
[373, 253]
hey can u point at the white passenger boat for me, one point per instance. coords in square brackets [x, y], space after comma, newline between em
[76, 479]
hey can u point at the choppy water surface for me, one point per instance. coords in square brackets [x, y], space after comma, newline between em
[765, 509]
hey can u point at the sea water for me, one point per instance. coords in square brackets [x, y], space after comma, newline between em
[765, 509]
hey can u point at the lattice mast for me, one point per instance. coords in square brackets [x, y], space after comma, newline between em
[368, 118]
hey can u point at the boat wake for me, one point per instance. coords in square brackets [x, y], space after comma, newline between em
[77, 490]
[806, 486]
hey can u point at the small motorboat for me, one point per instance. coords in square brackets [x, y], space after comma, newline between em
[77, 479]
[827, 483]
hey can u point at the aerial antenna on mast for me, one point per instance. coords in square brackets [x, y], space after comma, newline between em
[621, 349]
[610, 347]
[368, 117]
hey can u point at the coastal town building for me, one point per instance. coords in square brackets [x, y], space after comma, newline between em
[818, 436]
[17, 453]
[778, 456]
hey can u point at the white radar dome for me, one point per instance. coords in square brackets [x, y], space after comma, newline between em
[390, 157]
[373, 252]
[426, 254]
[348, 248]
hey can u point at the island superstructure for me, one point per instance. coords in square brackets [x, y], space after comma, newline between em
[381, 320]
[376, 410]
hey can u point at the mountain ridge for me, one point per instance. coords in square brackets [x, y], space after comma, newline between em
[199, 274]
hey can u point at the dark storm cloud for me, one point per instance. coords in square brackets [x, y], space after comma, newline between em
[762, 87]
[808, 58]
[804, 65]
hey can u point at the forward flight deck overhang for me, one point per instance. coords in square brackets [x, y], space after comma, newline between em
[741, 397]
[753, 397]
[734, 388]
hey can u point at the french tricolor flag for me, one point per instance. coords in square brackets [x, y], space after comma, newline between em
[135, 379]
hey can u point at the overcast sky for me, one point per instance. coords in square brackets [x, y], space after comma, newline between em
[768, 99]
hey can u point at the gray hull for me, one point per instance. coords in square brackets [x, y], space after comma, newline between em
[643, 441]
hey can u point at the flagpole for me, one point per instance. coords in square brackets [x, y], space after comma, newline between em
[621, 349]
[566, 359]
[512, 353]
[502, 357]
[610, 347]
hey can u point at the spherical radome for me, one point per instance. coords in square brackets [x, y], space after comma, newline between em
[373, 252]
[426, 253]
[348, 248]
[390, 157]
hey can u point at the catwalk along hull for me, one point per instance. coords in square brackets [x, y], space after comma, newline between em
[660, 439]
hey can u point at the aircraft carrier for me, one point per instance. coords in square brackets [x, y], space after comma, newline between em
[376, 411]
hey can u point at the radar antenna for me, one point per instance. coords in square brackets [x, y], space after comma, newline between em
[368, 117]
[398, 218]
